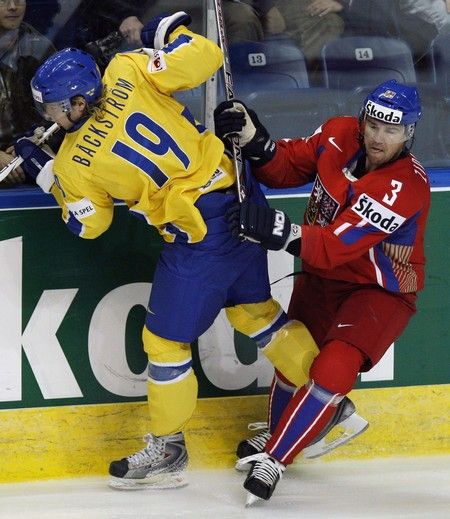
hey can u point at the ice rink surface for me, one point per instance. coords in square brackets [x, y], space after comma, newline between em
[387, 488]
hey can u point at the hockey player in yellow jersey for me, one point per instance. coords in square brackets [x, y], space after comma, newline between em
[128, 138]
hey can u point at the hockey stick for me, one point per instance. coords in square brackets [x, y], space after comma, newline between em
[229, 92]
[211, 85]
[17, 161]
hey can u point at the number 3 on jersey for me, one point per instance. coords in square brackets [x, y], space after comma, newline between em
[389, 200]
[165, 144]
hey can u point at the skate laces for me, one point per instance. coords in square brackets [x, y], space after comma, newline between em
[256, 426]
[259, 440]
[265, 468]
[153, 452]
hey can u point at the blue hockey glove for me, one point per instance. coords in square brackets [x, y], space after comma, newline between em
[269, 227]
[34, 157]
[234, 118]
[155, 33]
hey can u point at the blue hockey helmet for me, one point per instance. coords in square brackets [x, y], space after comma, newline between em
[394, 103]
[68, 73]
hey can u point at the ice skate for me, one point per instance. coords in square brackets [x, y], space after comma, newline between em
[350, 425]
[255, 444]
[264, 474]
[161, 464]
[252, 446]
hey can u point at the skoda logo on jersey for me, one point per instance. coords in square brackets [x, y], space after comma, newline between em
[388, 115]
[377, 214]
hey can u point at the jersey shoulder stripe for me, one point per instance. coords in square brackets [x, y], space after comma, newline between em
[183, 39]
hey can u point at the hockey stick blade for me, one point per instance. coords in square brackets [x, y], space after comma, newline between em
[11, 166]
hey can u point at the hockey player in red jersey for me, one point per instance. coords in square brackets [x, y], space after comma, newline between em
[361, 246]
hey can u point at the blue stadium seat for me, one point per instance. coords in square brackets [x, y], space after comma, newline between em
[358, 61]
[267, 66]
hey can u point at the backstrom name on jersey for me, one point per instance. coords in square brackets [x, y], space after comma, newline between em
[377, 214]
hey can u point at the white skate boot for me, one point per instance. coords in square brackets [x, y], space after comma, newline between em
[159, 465]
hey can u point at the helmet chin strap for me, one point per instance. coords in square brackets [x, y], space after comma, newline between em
[70, 118]
[410, 137]
[69, 112]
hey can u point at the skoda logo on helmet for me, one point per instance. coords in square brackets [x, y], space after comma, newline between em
[387, 115]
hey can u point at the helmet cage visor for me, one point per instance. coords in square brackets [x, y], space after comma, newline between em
[53, 111]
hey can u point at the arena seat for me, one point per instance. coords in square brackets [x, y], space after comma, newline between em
[359, 61]
[270, 65]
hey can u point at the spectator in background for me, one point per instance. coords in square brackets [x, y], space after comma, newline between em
[243, 20]
[22, 50]
[313, 23]
[41, 13]
[310, 23]
[77, 22]
[420, 21]
[417, 22]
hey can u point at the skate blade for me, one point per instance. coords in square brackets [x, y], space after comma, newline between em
[242, 467]
[157, 482]
[251, 500]
[353, 426]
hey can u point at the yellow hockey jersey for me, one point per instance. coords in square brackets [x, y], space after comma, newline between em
[146, 148]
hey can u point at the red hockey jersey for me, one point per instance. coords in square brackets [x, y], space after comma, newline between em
[365, 230]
